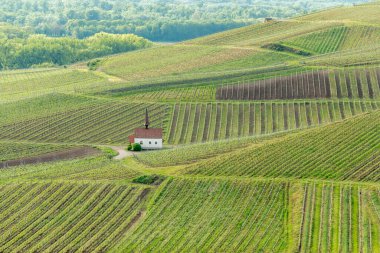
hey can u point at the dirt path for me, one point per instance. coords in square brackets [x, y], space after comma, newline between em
[122, 153]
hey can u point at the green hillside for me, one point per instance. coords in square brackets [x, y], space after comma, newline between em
[243, 221]
[271, 144]
[365, 13]
[107, 207]
[16, 85]
[345, 151]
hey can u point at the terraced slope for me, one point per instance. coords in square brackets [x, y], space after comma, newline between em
[162, 94]
[346, 151]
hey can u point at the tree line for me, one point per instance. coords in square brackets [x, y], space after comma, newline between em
[41, 50]
[159, 20]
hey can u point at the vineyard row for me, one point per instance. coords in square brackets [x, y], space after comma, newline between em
[67, 216]
[201, 122]
[353, 84]
[342, 151]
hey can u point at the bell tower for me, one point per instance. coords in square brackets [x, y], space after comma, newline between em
[146, 119]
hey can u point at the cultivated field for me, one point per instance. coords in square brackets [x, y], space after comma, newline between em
[15, 85]
[346, 83]
[343, 151]
[201, 122]
[271, 144]
[12, 150]
[335, 218]
[212, 215]
[103, 123]
[70, 216]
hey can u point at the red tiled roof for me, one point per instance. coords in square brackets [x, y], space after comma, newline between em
[154, 133]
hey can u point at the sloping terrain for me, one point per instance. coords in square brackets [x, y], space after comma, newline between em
[338, 152]
[67, 216]
[271, 139]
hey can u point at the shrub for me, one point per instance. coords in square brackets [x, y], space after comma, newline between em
[137, 147]
[149, 179]
[283, 48]
[93, 64]
[129, 148]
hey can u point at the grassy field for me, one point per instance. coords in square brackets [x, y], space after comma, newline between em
[41, 105]
[169, 60]
[365, 13]
[20, 84]
[271, 137]
[262, 34]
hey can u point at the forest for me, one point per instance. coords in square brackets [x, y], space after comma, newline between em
[158, 20]
[21, 50]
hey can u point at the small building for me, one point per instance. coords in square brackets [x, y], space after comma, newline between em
[148, 138]
[267, 20]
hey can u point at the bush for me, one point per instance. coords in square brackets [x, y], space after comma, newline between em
[137, 147]
[283, 48]
[129, 148]
[93, 64]
[149, 179]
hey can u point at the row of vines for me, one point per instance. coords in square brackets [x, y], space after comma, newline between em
[338, 218]
[348, 83]
[10, 151]
[212, 215]
[337, 38]
[347, 151]
[202, 122]
[109, 122]
[57, 217]
[16, 85]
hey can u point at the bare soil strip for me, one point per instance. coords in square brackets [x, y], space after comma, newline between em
[55, 156]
